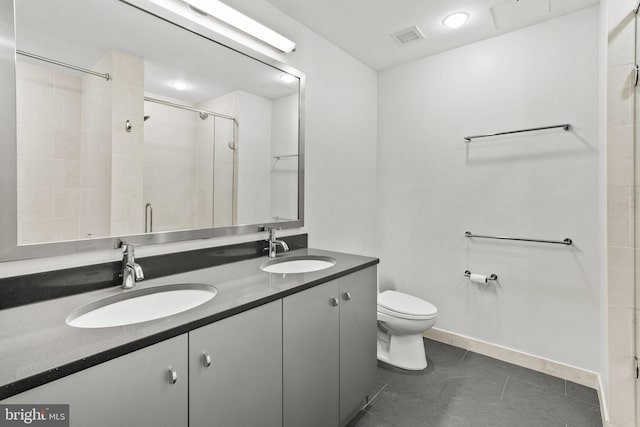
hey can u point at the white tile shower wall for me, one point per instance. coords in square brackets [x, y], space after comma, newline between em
[254, 158]
[95, 159]
[253, 152]
[215, 208]
[170, 165]
[621, 218]
[48, 119]
[127, 162]
[225, 172]
[204, 172]
[340, 130]
[433, 187]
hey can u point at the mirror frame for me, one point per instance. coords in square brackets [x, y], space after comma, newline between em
[9, 248]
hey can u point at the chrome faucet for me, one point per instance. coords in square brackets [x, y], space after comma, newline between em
[273, 243]
[131, 272]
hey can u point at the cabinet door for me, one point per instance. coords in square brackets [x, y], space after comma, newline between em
[242, 386]
[358, 365]
[311, 357]
[132, 390]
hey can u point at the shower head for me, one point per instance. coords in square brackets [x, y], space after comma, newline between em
[146, 118]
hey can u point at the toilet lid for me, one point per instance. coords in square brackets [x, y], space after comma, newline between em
[406, 304]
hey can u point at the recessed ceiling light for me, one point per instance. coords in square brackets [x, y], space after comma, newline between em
[455, 20]
[287, 78]
[179, 85]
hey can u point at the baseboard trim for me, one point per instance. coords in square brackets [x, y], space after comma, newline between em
[526, 360]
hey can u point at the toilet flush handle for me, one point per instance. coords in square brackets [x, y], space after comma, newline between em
[346, 296]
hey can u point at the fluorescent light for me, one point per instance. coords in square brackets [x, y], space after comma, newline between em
[455, 20]
[242, 22]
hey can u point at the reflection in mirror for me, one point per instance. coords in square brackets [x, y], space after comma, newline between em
[168, 131]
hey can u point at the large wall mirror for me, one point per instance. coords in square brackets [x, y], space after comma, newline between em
[129, 127]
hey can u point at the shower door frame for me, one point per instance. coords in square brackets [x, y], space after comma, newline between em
[636, 214]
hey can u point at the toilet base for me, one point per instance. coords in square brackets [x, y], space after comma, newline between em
[402, 351]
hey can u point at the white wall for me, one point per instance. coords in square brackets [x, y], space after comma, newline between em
[433, 187]
[284, 171]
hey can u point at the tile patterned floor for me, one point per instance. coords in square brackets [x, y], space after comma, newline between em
[462, 388]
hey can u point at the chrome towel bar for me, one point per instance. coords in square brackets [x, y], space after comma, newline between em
[565, 126]
[566, 241]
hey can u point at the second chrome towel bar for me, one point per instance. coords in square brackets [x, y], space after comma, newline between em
[566, 241]
[565, 126]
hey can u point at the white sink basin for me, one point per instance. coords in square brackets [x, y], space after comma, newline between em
[141, 305]
[298, 264]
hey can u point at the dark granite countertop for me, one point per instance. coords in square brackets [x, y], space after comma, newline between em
[37, 346]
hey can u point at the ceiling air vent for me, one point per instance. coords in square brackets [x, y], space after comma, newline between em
[408, 35]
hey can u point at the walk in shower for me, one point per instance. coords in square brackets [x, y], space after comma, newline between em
[190, 167]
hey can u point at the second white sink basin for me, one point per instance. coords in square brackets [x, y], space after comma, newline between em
[141, 305]
[298, 264]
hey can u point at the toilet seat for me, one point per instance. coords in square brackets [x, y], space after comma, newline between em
[398, 304]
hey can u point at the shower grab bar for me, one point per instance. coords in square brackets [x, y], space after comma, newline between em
[185, 107]
[105, 76]
[566, 241]
[148, 218]
[565, 126]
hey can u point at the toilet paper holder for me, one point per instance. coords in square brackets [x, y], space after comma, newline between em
[467, 273]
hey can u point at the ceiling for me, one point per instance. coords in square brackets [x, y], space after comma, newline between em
[363, 27]
[169, 53]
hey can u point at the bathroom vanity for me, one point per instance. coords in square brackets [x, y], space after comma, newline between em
[269, 349]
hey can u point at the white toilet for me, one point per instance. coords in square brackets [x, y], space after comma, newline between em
[402, 319]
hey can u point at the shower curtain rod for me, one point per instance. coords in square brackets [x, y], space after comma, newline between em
[105, 76]
[185, 107]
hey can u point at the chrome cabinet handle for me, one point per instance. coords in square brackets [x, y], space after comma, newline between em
[334, 302]
[173, 376]
[206, 360]
[346, 296]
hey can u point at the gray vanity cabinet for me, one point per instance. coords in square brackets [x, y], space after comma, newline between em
[358, 335]
[235, 370]
[136, 389]
[311, 357]
[329, 341]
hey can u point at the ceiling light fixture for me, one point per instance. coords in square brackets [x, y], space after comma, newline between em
[179, 85]
[242, 22]
[288, 78]
[456, 20]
